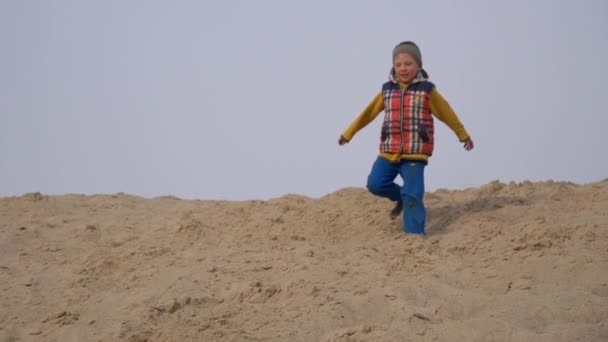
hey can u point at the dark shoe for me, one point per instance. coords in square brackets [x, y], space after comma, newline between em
[396, 210]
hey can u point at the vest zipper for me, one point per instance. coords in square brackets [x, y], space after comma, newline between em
[401, 117]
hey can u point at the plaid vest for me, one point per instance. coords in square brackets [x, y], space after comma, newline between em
[408, 123]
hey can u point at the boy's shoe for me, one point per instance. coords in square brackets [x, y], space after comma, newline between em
[396, 210]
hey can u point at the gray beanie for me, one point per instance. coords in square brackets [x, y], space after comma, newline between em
[411, 49]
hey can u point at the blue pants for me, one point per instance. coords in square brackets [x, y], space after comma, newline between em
[380, 182]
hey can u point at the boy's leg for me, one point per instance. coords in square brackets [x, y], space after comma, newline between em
[380, 181]
[412, 192]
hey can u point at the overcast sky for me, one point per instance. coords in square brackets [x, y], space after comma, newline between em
[246, 99]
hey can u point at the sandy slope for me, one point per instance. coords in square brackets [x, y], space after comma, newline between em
[516, 262]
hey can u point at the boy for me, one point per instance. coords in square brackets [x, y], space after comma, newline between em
[409, 102]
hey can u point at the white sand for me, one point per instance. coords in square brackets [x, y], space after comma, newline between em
[517, 262]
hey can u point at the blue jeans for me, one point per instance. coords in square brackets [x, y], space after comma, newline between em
[381, 182]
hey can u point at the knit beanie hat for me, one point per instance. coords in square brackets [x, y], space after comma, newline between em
[411, 49]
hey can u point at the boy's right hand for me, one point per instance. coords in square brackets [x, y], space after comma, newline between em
[468, 144]
[342, 141]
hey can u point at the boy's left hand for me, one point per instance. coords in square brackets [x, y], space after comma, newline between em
[468, 144]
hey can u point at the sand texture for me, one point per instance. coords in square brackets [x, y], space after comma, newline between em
[503, 262]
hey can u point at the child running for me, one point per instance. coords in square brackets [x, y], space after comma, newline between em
[409, 102]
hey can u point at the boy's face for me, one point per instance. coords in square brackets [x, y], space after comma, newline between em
[406, 67]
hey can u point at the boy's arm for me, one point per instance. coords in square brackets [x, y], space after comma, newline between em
[442, 110]
[368, 115]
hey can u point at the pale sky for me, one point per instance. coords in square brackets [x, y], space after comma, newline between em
[246, 99]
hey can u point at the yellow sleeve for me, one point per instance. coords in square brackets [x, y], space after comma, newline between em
[442, 110]
[368, 115]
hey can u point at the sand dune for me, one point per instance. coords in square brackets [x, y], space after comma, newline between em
[504, 262]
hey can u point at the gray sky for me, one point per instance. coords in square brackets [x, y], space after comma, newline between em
[246, 99]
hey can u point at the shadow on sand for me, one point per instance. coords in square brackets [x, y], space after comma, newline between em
[440, 218]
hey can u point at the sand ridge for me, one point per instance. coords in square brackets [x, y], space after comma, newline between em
[503, 262]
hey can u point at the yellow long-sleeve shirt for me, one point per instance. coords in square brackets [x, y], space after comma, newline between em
[440, 108]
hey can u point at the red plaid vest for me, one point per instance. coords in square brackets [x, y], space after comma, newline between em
[408, 123]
